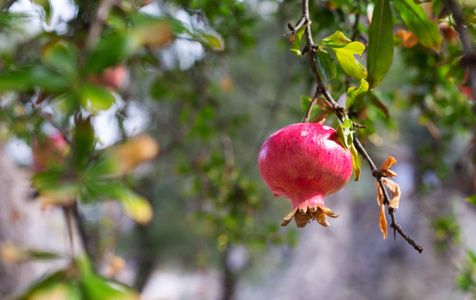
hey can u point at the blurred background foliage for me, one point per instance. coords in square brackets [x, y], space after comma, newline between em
[162, 106]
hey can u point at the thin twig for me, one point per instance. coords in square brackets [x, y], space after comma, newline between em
[69, 227]
[6, 5]
[309, 110]
[340, 112]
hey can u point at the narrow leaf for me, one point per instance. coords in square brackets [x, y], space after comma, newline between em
[356, 93]
[356, 163]
[377, 102]
[326, 68]
[380, 49]
[471, 199]
[296, 45]
[382, 223]
[414, 17]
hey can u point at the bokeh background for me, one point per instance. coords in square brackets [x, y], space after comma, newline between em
[208, 81]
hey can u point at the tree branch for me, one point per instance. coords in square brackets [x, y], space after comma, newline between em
[340, 113]
[469, 52]
[95, 28]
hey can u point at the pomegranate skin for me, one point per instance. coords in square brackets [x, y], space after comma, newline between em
[303, 163]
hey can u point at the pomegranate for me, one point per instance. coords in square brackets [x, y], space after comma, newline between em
[303, 163]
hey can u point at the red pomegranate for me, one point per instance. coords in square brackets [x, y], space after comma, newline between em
[303, 163]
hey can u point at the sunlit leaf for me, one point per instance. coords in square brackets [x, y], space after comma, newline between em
[345, 133]
[135, 151]
[213, 41]
[414, 17]
[337, 38]
[345, 50]
[136, 207]
[326, 68]
[356, 93]
[396, 192]
[57, 286]
[471, 199]
[155, 32]
[95, 98]
[380, 48]
[95, 287]
[356, 163]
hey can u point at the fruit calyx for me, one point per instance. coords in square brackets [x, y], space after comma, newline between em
[303, 215]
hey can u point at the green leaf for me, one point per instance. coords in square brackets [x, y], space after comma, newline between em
[350, 65]
[325, 66]
[13, 80]
[95, 287]
[46, 6]
[356, 93]
[380, 49]
[136, 207]
[110, 51]
[345, 133]
[345, 50]
[95, 98]
[296, 45]
[46, 79]
[356, 163]
[414, 17]
[338, 38]
[63, 56]
[83, 141]
[43, 255]
[471, 199]
[58, 285]
[213, 40]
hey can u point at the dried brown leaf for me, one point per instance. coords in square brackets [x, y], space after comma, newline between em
[390, 173]
[408, 39]
[379, 194]
[289, 217]
[387, 164]
[396, 192]
[320, 118]
[382, 223]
